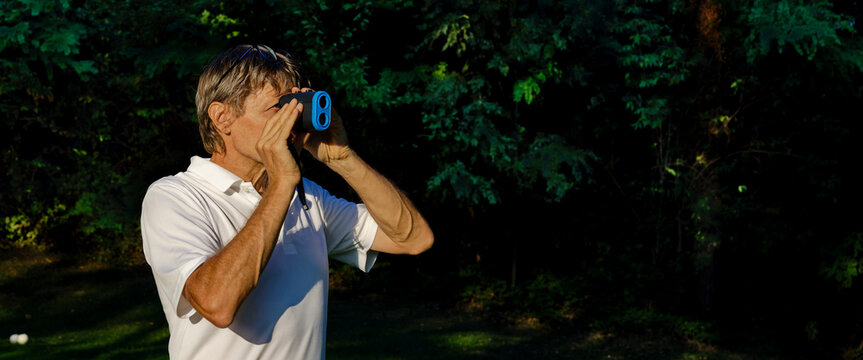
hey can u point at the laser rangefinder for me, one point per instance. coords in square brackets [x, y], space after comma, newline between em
[316, 109]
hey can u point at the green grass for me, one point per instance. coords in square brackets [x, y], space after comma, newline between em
[72, 311]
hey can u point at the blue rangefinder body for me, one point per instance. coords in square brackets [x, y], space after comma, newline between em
[316, 109]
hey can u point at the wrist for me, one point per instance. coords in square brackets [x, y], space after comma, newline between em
[347, 164]
[283, 186]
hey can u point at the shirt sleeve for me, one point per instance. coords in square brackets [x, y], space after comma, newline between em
[177, 238]
[349, 228]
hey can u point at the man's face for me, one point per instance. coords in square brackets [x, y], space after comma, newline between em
[246, 130]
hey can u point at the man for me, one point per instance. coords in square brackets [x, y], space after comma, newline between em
[240, 266]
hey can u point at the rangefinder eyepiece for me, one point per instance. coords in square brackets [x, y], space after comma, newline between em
[316, 109]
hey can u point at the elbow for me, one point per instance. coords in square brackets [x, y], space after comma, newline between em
[423, 243]
[211, 308]
[220, 317]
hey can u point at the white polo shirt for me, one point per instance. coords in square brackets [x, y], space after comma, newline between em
[189, 217]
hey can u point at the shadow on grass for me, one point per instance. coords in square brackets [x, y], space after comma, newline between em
[79, 312]
[372, 328]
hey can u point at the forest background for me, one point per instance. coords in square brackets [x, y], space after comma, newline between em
[686, 166]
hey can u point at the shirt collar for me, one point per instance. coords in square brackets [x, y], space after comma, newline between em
[216, 175]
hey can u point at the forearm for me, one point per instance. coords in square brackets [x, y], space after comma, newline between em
[217, 287]
[394, 213]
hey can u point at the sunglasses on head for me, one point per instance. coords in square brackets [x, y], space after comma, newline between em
[263, 50]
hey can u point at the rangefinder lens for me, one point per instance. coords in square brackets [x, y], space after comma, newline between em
[322, 120]
[323, 102]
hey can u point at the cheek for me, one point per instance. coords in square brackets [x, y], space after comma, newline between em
[247, 132]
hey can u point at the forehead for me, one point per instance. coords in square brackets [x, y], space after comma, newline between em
[264, 94]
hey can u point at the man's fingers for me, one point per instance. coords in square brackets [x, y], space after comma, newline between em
[279, 126]
[272, 145]
[274, 122]
[292, 119]
[296, 89]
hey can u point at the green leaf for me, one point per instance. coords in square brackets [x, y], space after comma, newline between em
[526, 89]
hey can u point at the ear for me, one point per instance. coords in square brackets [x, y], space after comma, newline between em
[220, 115]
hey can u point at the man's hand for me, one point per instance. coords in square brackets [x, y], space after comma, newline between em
[329, 145]
[282, 170]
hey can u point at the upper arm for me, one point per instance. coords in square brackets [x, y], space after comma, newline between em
[177, 238]
[420, 242]
[385, 244]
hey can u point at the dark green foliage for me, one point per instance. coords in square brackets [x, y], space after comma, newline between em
[637, 320]
[693, 158]
[847, 264]
[89, 108]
